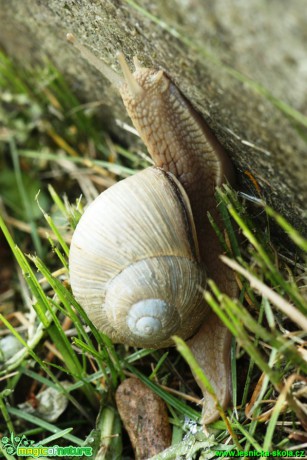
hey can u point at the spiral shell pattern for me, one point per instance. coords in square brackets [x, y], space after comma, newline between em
[134, 264]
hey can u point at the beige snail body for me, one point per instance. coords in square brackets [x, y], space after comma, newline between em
[145, 246]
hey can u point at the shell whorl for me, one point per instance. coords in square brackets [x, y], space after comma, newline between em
[134, 263]
[154, 299]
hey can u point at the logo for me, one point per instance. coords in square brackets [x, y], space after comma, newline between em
[12, 443]
[24, 447]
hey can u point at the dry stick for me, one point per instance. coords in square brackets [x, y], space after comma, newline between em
[42, 231]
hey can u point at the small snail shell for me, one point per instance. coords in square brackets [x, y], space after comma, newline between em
[134, 261]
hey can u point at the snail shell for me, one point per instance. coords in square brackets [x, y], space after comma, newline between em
[134, 262]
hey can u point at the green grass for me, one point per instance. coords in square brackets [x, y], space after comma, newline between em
[47, 128]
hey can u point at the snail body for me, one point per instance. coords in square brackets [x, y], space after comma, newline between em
[146, 245]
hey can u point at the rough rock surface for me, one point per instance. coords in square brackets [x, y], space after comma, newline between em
[234, 60]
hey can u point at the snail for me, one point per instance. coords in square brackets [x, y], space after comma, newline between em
[144, 246]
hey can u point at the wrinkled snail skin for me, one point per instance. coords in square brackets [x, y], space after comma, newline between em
[211, 347]
[179, 141]
[183, 146]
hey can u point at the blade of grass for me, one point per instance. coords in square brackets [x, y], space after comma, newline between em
[252, 441]
[251, 362]
[201, 377]
[55, 436]
[55, 230]
[109, 429]
[289, 229]
[169, 399]
[45, 312]
[7, 419]
[272, 273]
[24, 197]
[158, 365]
[44, 365]
[117, 169]
[293, 313]
[43, 424]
